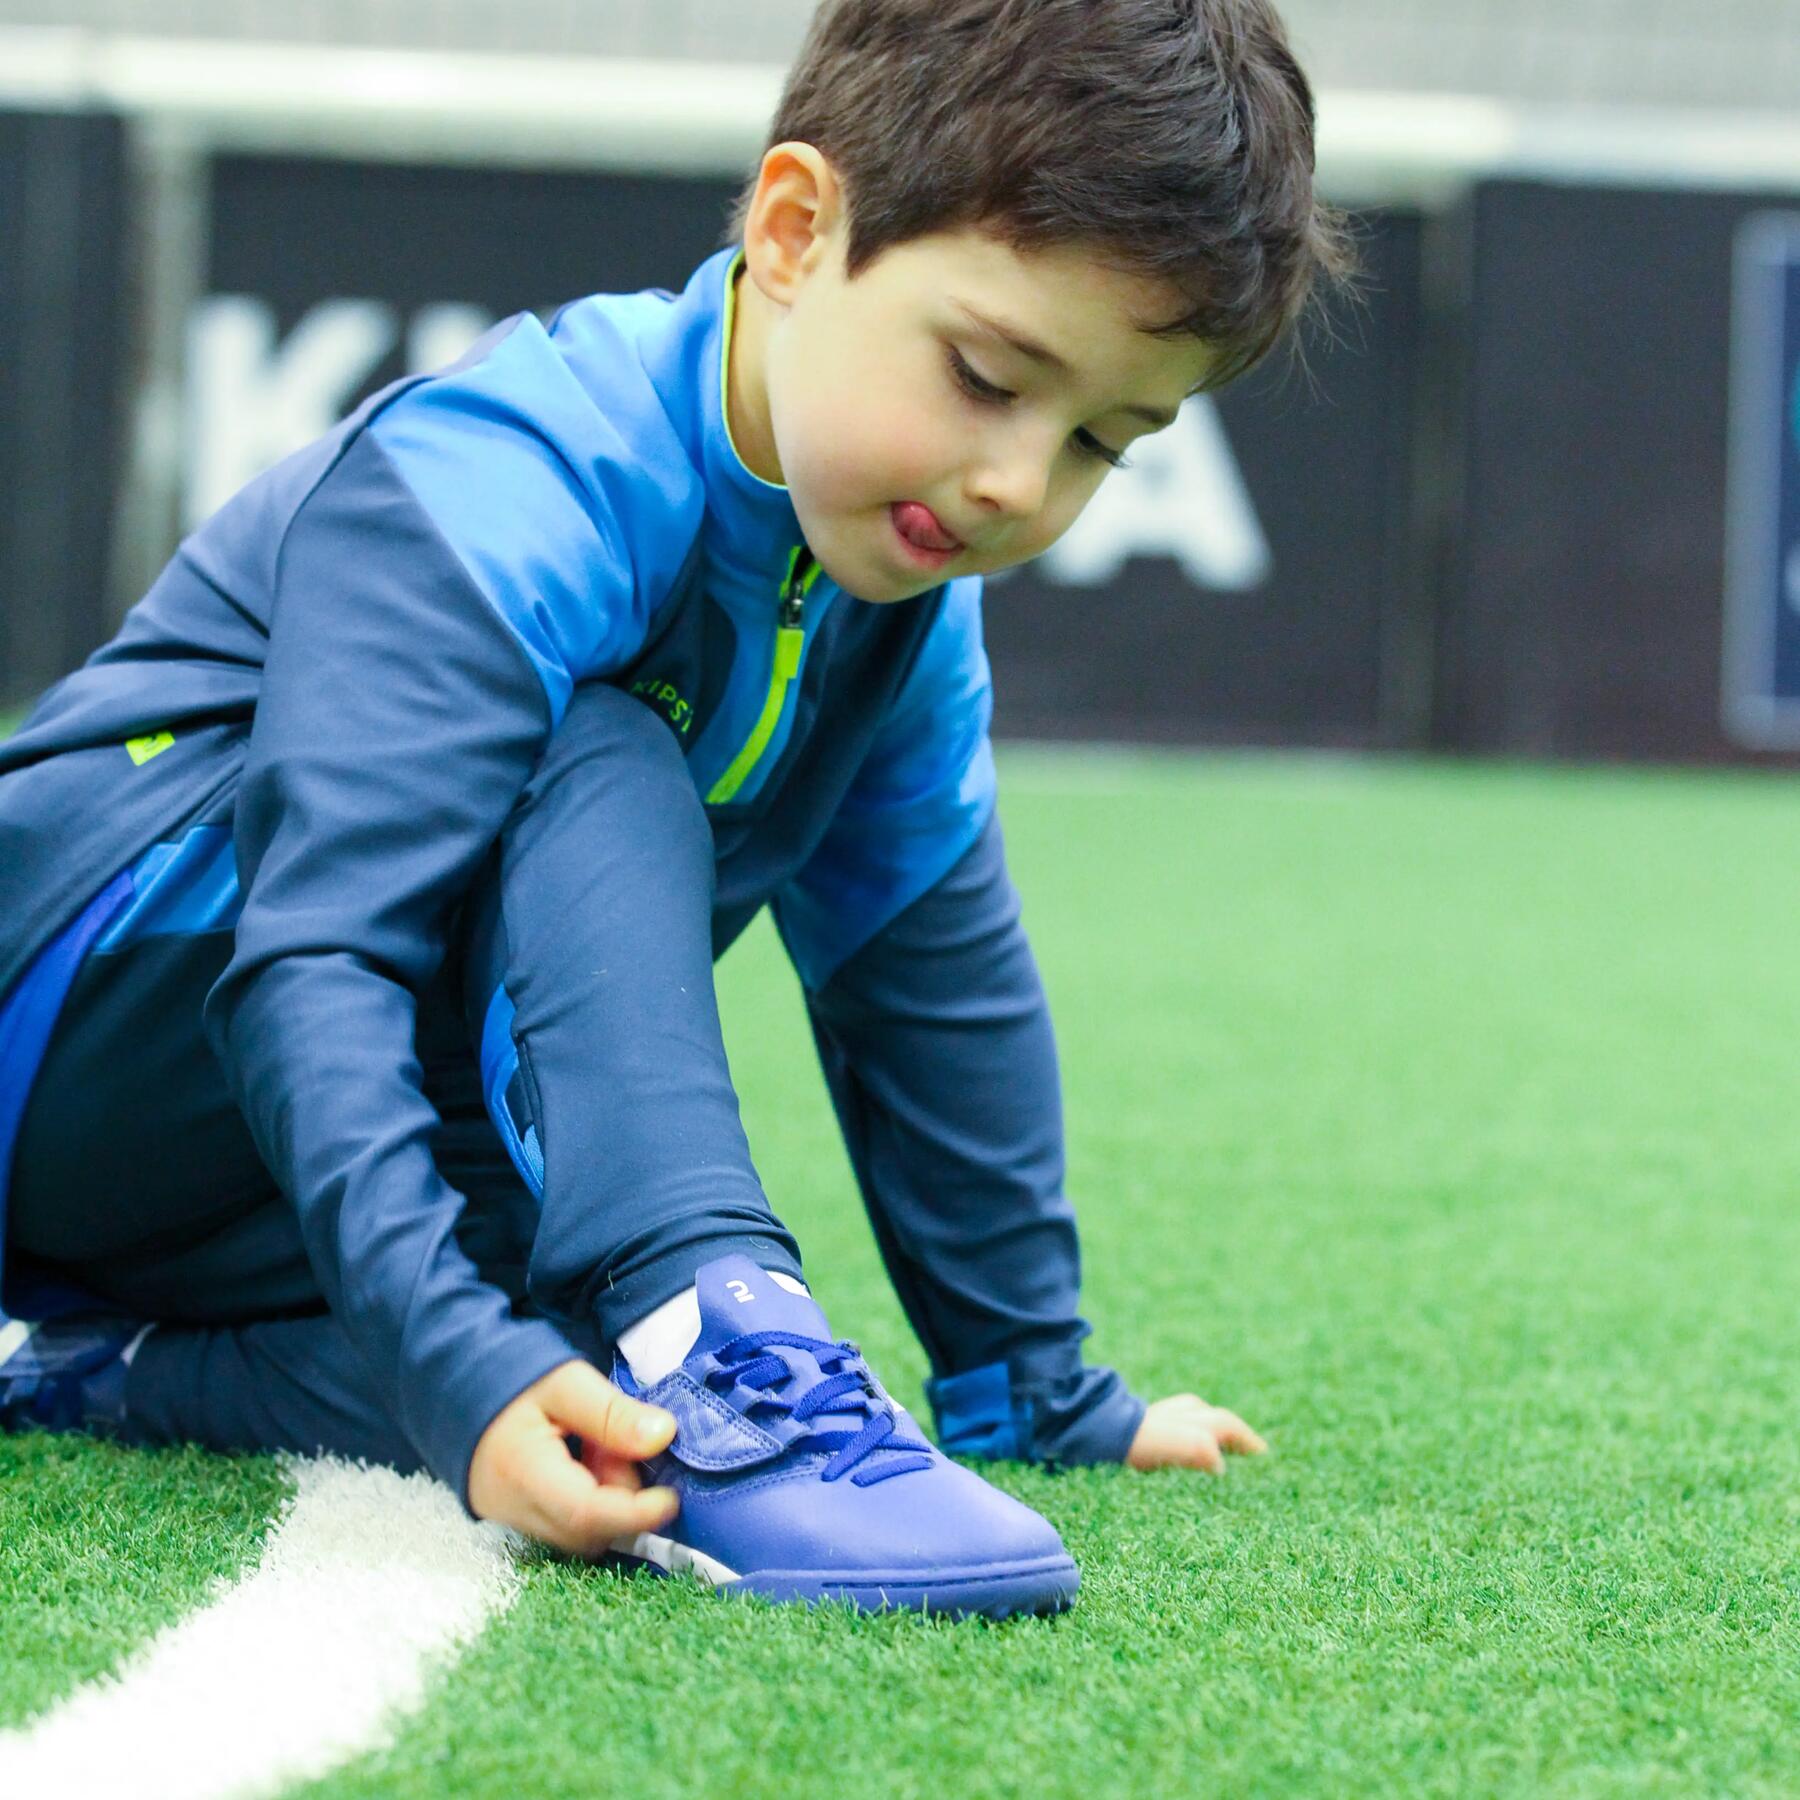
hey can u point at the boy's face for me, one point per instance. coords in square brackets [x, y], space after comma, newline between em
[918, 443]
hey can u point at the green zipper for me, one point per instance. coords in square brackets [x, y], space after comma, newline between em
[790, 641]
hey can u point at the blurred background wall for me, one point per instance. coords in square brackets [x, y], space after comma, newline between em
[1537, 494]
[1673, 52]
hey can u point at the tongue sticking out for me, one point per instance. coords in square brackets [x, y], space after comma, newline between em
[918, 525]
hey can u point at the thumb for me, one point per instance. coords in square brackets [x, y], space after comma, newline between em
[580, 1399]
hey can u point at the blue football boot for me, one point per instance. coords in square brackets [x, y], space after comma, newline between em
[67, 1375]
[800, 1479]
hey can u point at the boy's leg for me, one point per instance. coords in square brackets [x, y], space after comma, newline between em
[588, 980]
[134, 1176]
[136, 1181]
[583, 972]
[280, 1384]
[585, 975]
[592, 977]
[298, 1383]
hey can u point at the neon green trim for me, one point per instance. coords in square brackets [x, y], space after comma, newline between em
[141, 749]
[788, 643]
[731, 281]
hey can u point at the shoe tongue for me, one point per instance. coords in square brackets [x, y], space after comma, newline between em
[738, 1296]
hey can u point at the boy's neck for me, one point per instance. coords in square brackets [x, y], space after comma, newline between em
[746, 386]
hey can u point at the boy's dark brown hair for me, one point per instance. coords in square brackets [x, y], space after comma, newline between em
[1174, 136]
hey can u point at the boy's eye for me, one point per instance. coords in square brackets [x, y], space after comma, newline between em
[1092, 446]
[977, 388]
[972, 384]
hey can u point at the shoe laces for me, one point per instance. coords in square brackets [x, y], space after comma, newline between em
[749, 1361]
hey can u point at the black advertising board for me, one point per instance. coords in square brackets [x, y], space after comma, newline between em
[63, 326]
[327, 280]
[1239, 585]
[1265, 575]
[1586, 615]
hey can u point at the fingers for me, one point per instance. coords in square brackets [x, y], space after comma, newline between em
[577, 1496]
[559, 1501]
[1203, 1452]
[1234, 1434]
[1184, 1432]
[1218, 1423]
[603, 1465]
[580, 1399]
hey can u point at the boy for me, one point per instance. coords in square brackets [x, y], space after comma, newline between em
[362, 1080]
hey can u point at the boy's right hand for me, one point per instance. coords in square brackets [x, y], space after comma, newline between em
[523, 1474]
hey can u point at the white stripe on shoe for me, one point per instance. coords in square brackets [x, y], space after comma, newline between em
[676, 1559]
[12, 1334]
[367, 1585]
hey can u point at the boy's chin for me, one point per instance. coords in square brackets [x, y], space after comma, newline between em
[876, 586]
[851, 553]
[892, 595]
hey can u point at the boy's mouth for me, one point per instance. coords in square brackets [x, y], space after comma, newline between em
[922, 533]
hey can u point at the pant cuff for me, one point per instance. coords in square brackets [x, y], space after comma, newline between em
[623, 1300]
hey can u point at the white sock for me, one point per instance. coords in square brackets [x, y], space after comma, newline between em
[660, 1340]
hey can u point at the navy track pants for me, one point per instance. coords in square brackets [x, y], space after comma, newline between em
[136, 1177]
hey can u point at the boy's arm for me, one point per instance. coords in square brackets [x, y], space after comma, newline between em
[936, 1042]
[406, 695]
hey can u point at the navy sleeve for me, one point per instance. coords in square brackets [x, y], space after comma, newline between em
[413, 676]
[936, 1042]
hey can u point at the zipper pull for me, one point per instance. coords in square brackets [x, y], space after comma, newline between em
[802, 572]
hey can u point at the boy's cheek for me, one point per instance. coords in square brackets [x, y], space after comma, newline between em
[886, 440]
[848, 468]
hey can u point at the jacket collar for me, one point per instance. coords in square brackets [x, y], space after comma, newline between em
[749, 520]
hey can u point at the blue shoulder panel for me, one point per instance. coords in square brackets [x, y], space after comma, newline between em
[572, 519]
[919, 801]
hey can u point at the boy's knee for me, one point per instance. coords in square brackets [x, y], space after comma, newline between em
[611, 755]
[599, 713]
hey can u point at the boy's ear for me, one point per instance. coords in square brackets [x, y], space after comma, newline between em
[794, 219]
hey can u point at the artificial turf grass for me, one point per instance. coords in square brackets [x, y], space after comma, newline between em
[100, 1547]
[1441, 1121]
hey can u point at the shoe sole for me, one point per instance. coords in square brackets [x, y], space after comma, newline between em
[1044, 1584]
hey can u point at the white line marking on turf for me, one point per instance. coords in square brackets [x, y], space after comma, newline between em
[367, 1584]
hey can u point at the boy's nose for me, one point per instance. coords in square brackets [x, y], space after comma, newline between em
[1014, 487]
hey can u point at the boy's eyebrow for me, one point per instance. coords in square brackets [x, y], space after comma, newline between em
[1029, 346]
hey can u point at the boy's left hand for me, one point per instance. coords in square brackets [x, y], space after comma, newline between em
[1183, 1432]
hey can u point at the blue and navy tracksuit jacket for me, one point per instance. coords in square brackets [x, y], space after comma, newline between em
[370, 646]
